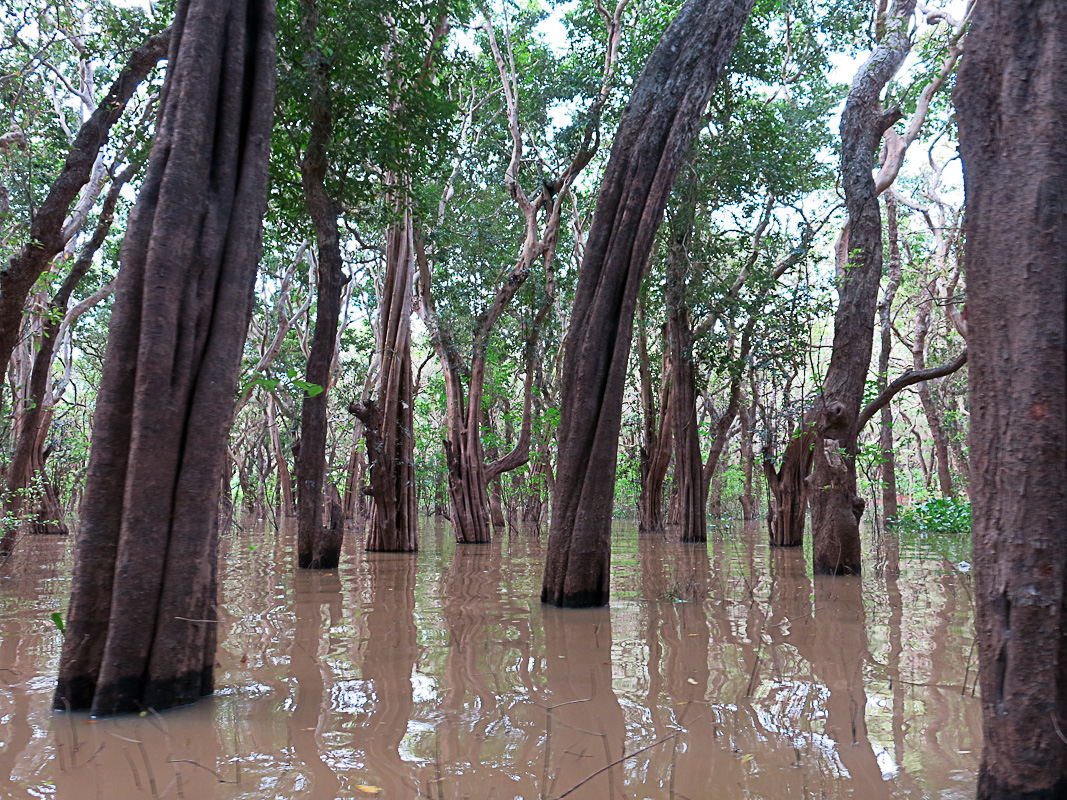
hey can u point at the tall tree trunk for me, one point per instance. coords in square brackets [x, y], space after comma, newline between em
[933, 415]
[690, 491]
[665, 108]
[657, 435]
[1011, 99]
[885, 318]
[836, 507]
[788, 487]
[141, 627]
[47, 236]
[748, 458]
[318, 547]
[389, 424]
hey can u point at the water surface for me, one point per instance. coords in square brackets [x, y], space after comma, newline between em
[723, 671]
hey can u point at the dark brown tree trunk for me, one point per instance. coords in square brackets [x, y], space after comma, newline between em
[1011, 100]
[836, 507]
[318, 547]
[653, 138]
[788, 487]
[690, 496]
[657, 432]
[141, 627]
[389, 423]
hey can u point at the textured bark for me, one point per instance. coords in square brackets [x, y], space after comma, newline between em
[1011, 99]
[690, 490]
[653, 138]
[836, 506]
[318, 547]
[141, 625]
[885, 319]
[789, 489]
[933, 415]
[389, 423]
[657, 433]
[47, 238]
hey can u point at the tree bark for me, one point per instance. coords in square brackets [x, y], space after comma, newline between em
[885, 319]
[658, 436]
[1011, 99]
[141, 627]
[318, 547]
[653, 138]
[836, 507]
[389, 424]
[46, 231]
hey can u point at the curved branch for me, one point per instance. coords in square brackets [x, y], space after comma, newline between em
[909, 378]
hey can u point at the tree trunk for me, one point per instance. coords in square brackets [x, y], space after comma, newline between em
[748, 497]
[1011, 99]
[885, 318]
[658, 439]
[690, 490]
[318, 547]
[46, 239]
[141, 627]
[788, 487]
[836, 507]
[389, 423]
[665, 108]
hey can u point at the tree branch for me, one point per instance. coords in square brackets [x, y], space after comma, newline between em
[909, 378]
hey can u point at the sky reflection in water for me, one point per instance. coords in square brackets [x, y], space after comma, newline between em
[723, 672]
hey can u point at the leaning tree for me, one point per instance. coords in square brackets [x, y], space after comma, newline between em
[664, 112]
[141, 628]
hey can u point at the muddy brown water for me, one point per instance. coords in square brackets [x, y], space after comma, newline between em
[720, 672]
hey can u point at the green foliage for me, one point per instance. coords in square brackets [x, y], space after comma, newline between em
[937, 515]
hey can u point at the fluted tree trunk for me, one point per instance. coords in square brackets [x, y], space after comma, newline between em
[1011, 99]
[665, 109]
[657, 432]
[888, 467]
[141, 627]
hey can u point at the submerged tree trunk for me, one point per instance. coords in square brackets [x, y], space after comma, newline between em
[653, 138]
[836, 507]
[140, 631]
[389, 423]
[658, 437]
[318, 547]
[748, 497]
[1011, 100]
[788, 487]
[888, 467]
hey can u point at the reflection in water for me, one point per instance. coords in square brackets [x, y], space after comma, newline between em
[439, 675]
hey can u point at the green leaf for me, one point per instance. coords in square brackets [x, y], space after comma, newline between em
[57, 618]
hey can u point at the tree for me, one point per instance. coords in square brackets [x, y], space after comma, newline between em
[1010, 101]
[141, 626]
[48, 234]
[650, 145]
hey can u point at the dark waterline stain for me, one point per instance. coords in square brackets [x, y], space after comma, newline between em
[722, 671]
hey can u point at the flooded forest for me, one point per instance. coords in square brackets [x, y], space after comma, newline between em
[580, 399]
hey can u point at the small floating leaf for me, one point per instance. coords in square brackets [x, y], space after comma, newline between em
[690, 680]
[369, 789]
[747, 757]
[57, 618]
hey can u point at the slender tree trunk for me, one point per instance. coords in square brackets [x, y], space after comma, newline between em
[1011, 100]
[657, 433]
[665, 108]
[836, 507]
[885, 319]
[318, 547]
[748, 458]
[933, 415]
[141, 627]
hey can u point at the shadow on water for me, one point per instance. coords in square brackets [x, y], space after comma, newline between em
[724, 671]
